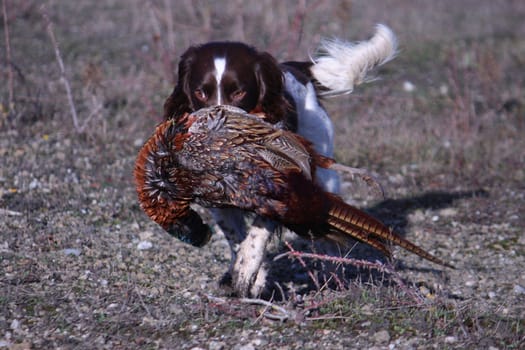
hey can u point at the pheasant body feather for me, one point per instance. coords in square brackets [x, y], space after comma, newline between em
[224, 157]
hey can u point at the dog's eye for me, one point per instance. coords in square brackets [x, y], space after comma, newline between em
[238, 95]
[201, 95]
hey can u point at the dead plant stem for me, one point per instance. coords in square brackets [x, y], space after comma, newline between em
[63, 77]
[10, 84]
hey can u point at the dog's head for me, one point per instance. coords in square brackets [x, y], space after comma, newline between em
[228, 73]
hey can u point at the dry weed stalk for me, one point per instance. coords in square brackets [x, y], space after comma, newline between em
[10, 84]
[358, 263]
[169, 26]
[279, 313]
[341, 260]
[299, 256]
[271, 311]
[238, 31]
[163, 26]
[63, 78]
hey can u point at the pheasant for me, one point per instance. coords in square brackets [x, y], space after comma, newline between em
[224, 157]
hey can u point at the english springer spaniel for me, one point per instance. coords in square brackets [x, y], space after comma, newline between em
[232, 73]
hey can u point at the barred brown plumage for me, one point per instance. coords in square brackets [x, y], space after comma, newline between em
[224, 157]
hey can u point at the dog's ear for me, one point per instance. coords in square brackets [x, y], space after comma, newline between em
[179, 102]
[271, 88]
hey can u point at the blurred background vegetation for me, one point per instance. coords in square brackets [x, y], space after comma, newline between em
[452, 102]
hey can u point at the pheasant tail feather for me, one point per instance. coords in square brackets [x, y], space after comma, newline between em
[365, 228]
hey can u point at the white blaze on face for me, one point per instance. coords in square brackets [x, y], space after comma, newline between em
[220, 66]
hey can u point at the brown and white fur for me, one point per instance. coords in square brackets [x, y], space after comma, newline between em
[231, 73]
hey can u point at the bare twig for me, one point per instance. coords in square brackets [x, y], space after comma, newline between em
[215, 299]
[369, 179]
[63, 77]
[281, 290]
[281, 313]
[297, 27]
[155, 23]
[169, 24]
[261, 315]
[144, 306]
[94, 112]
[359, 263]
[412, 292]
[8, 212]
[329, 317]
[299, 256]
[238, 24]
[8, 58]
[348, 261]
[271, 311]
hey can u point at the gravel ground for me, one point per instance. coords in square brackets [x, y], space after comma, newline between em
[82, 266]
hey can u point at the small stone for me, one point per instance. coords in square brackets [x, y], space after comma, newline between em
[61, 156]
[470, 283]
[138, 142]
[519, 289]
[381, 337]
[366, 324]
[408, 86]
[248, 346]
[15, 325]
[144, 245]
[21, 346]
[216, 345]
[443, 89]
[366, 309]
[491, 294]
[145, 235]
[417, 216]
[71, 251]
[448, 212]
[4, 247]
[450, 340]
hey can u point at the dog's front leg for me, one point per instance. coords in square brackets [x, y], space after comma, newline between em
[249, 274]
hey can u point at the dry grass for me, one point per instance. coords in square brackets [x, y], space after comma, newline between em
[64, 187]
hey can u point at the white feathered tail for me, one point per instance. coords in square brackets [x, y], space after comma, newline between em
[341, 65]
